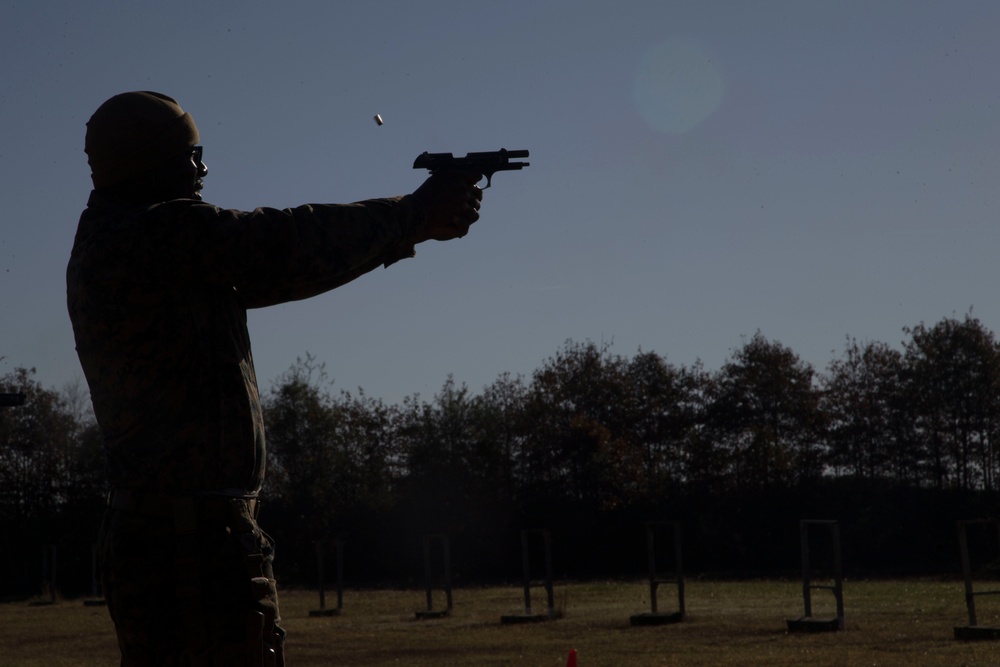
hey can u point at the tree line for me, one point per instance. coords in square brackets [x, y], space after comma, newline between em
[897, 444]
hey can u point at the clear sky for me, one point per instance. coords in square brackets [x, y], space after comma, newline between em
[700, 170]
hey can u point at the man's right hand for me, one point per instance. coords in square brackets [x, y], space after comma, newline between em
[451, 203]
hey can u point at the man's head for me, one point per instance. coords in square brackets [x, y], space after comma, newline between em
[145, 137]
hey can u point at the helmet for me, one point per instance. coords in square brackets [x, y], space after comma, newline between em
[134, 132]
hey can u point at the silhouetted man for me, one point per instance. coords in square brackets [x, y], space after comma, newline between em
[158, 287]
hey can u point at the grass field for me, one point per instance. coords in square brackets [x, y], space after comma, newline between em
[894, 623]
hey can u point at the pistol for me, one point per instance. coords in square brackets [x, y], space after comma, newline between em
[487, 163]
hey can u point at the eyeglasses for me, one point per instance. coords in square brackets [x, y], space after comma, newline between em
[196, 152]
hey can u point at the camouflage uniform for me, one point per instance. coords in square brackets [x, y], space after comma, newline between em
[158, 298]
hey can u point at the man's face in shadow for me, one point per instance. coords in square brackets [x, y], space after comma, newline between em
[182, 176]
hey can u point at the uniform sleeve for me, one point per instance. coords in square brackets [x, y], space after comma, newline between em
[272, 256]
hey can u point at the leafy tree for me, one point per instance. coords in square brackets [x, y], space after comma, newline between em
[501, 422]
[764, 411]
[664, 406]
[954, 389]
[862, 399]
[579, 447]
[370, 464]
[36, 449]
[87, 482]
[458, 451]
[438, 452]
[301, 433]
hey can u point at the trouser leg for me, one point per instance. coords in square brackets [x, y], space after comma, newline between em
[236, 596]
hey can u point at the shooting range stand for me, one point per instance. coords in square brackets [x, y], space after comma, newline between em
[528, 616]
[974, 631]
[445, 582]
[809, 623]
[50, 574]
[95, 599]
[654, 616]
[321, 571]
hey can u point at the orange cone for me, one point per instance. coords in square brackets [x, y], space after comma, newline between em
[571, 661]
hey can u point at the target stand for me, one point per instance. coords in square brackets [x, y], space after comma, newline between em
[321, 571]
[528, 616]
[445, 581]
[808, 622]
[974, 631]
[95, 599]
[654, 616]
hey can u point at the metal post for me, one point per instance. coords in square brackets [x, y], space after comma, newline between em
[970, 598]
[974, 631]
[321, 576]
[654, 573]
[96, 598]
[654, 617]
[339, 544]
[679, 568]
[427, 572]
[651, 559]
[50, 568]
[807, 622]
[528, 616]
[526, 572]
[838, 575]
[526, 566]
[806, 587]
[547, 540]
[429, 576]
[95, 587]
[321, 573]
[447, 573]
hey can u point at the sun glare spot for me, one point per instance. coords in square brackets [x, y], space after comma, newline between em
[678, 85]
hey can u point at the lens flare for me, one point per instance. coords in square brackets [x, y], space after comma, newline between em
[678, 85]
